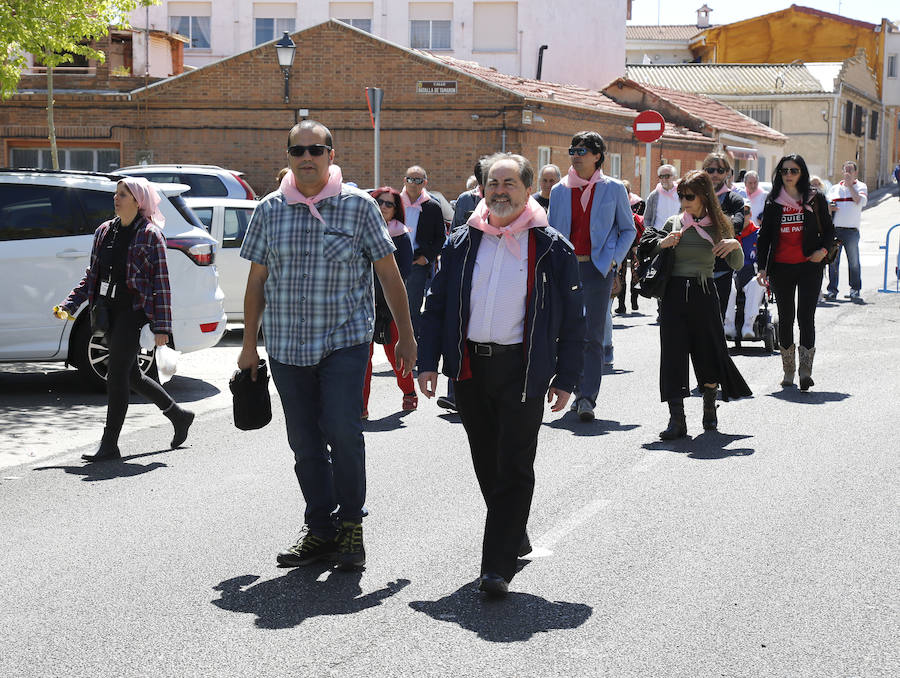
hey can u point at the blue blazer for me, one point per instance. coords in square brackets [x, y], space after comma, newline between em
[612, 222]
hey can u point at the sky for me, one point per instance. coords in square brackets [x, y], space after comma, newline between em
[644, 12]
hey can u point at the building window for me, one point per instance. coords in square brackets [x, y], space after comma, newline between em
[873, 125]
[430, 25]
[892, 66]
[859, 121]
[543, 157]
[762, 115]
[266, 29]
[847, 117]
[356, 14]
[85, 159]
[195, 28]
[615, 165]
[496, 27]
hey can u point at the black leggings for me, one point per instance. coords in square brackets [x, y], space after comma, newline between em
[805, 282]
[123, 342]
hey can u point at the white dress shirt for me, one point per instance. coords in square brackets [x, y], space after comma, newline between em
[849, 213]
[411, 218]
[499, 290]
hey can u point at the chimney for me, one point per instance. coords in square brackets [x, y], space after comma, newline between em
[703, 16]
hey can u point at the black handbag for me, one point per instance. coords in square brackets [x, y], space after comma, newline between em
[251, 403]
[654, 269]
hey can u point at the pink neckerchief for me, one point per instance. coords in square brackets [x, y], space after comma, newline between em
[723, 190]
[787, 201]
[756, 192]
[396, 228]
[572, 180]
[531, 217]
[688, 221]
[293, 195]
[417, 205]
[671, 193]
[146, 197]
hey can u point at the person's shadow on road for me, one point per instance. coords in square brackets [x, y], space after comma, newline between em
[598, 427]
[706, 446]
[513, 619]
[110, 470]
[287, 601]
[392, 422]
[795, 395]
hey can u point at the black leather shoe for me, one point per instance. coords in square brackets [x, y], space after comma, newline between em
[181, 420]
[107, 452]
[493, 584]
[676, 429]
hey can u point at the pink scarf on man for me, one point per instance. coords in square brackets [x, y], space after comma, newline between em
[396, 228]
[750, 196]
[572, 180]
[531, 217]
[688, 221]
[787, 201]
[293, 195]
[673, 193]
[146, 197]
[723, 190]
[417, 205]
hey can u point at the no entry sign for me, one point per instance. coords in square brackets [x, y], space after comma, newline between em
[648, 126]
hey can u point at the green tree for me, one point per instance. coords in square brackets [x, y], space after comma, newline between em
[53, 31]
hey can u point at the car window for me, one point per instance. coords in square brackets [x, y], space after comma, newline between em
[159, 177]
[204, 214]
[179, 204]
[28, 212]
[204, 185]
[98, 207]
[236, 221]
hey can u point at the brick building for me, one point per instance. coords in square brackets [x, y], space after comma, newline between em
[438, 112]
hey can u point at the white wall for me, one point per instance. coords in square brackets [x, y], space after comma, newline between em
[586, 40]
[891, 88]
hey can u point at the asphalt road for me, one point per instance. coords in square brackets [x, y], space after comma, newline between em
[768, 548]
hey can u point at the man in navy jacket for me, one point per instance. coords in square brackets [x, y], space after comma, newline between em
[505, 314]
[592, 210]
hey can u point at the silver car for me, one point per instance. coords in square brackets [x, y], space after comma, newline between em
[209, 181]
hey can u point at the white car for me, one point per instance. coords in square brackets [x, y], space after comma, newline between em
[47, 222]
[210, 181]
[226, 220]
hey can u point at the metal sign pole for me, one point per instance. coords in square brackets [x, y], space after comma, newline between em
[376, 98]
[645, 178]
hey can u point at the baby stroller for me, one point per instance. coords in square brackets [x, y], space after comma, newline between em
[748, 318]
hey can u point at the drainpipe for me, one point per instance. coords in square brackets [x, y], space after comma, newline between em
[835, 116]
[540, 61]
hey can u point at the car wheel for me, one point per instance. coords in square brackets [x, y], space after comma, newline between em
[91, 355]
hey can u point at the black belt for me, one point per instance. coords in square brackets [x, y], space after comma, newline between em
[490, 350]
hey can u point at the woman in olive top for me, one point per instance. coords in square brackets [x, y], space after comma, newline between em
[690, 324]
[795, 231]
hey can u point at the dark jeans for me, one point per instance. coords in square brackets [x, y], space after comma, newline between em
[502, 432]
[850, 237]
[596, 311]
[802, 281]
[123, 341]
[416, 286]
[322, 411]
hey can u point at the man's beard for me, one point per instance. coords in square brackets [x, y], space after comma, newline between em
[502, 209]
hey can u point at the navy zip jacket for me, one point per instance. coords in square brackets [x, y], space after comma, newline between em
[554, 312]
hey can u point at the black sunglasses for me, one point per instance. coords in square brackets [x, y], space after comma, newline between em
[784, 171]
[415, 180]
[664, 176]
[716, 170]
[315, 150]
[578, 150]
[385, 203]
[687, 196]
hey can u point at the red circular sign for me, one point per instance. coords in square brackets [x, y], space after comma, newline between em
[648, 126]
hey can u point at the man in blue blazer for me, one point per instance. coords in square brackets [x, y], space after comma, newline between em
[592, 210]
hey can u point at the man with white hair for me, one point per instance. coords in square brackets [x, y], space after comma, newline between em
[548, 177]
[663, 201]
[505, 315]
[755, 194]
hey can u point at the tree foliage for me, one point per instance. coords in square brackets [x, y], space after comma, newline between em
[54, 30]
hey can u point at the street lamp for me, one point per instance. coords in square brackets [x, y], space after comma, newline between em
[284, 48]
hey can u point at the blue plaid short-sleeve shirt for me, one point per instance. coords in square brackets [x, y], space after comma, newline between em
[319, 293]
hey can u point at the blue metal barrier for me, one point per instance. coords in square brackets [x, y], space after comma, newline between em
[886, 248]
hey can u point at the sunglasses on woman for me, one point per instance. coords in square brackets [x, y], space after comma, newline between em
[716, 170]
[578, 150]
[687, 196]
[385, 203]
[415, 180]
[784, 171]
[315, 150]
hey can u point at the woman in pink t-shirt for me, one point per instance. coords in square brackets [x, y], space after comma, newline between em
[794, 235]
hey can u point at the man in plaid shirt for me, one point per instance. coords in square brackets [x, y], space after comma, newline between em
[313, 244]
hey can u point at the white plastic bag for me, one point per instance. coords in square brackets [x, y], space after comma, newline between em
[148, 339]
[166, 362]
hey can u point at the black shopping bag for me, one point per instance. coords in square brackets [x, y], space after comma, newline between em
[252, 405]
